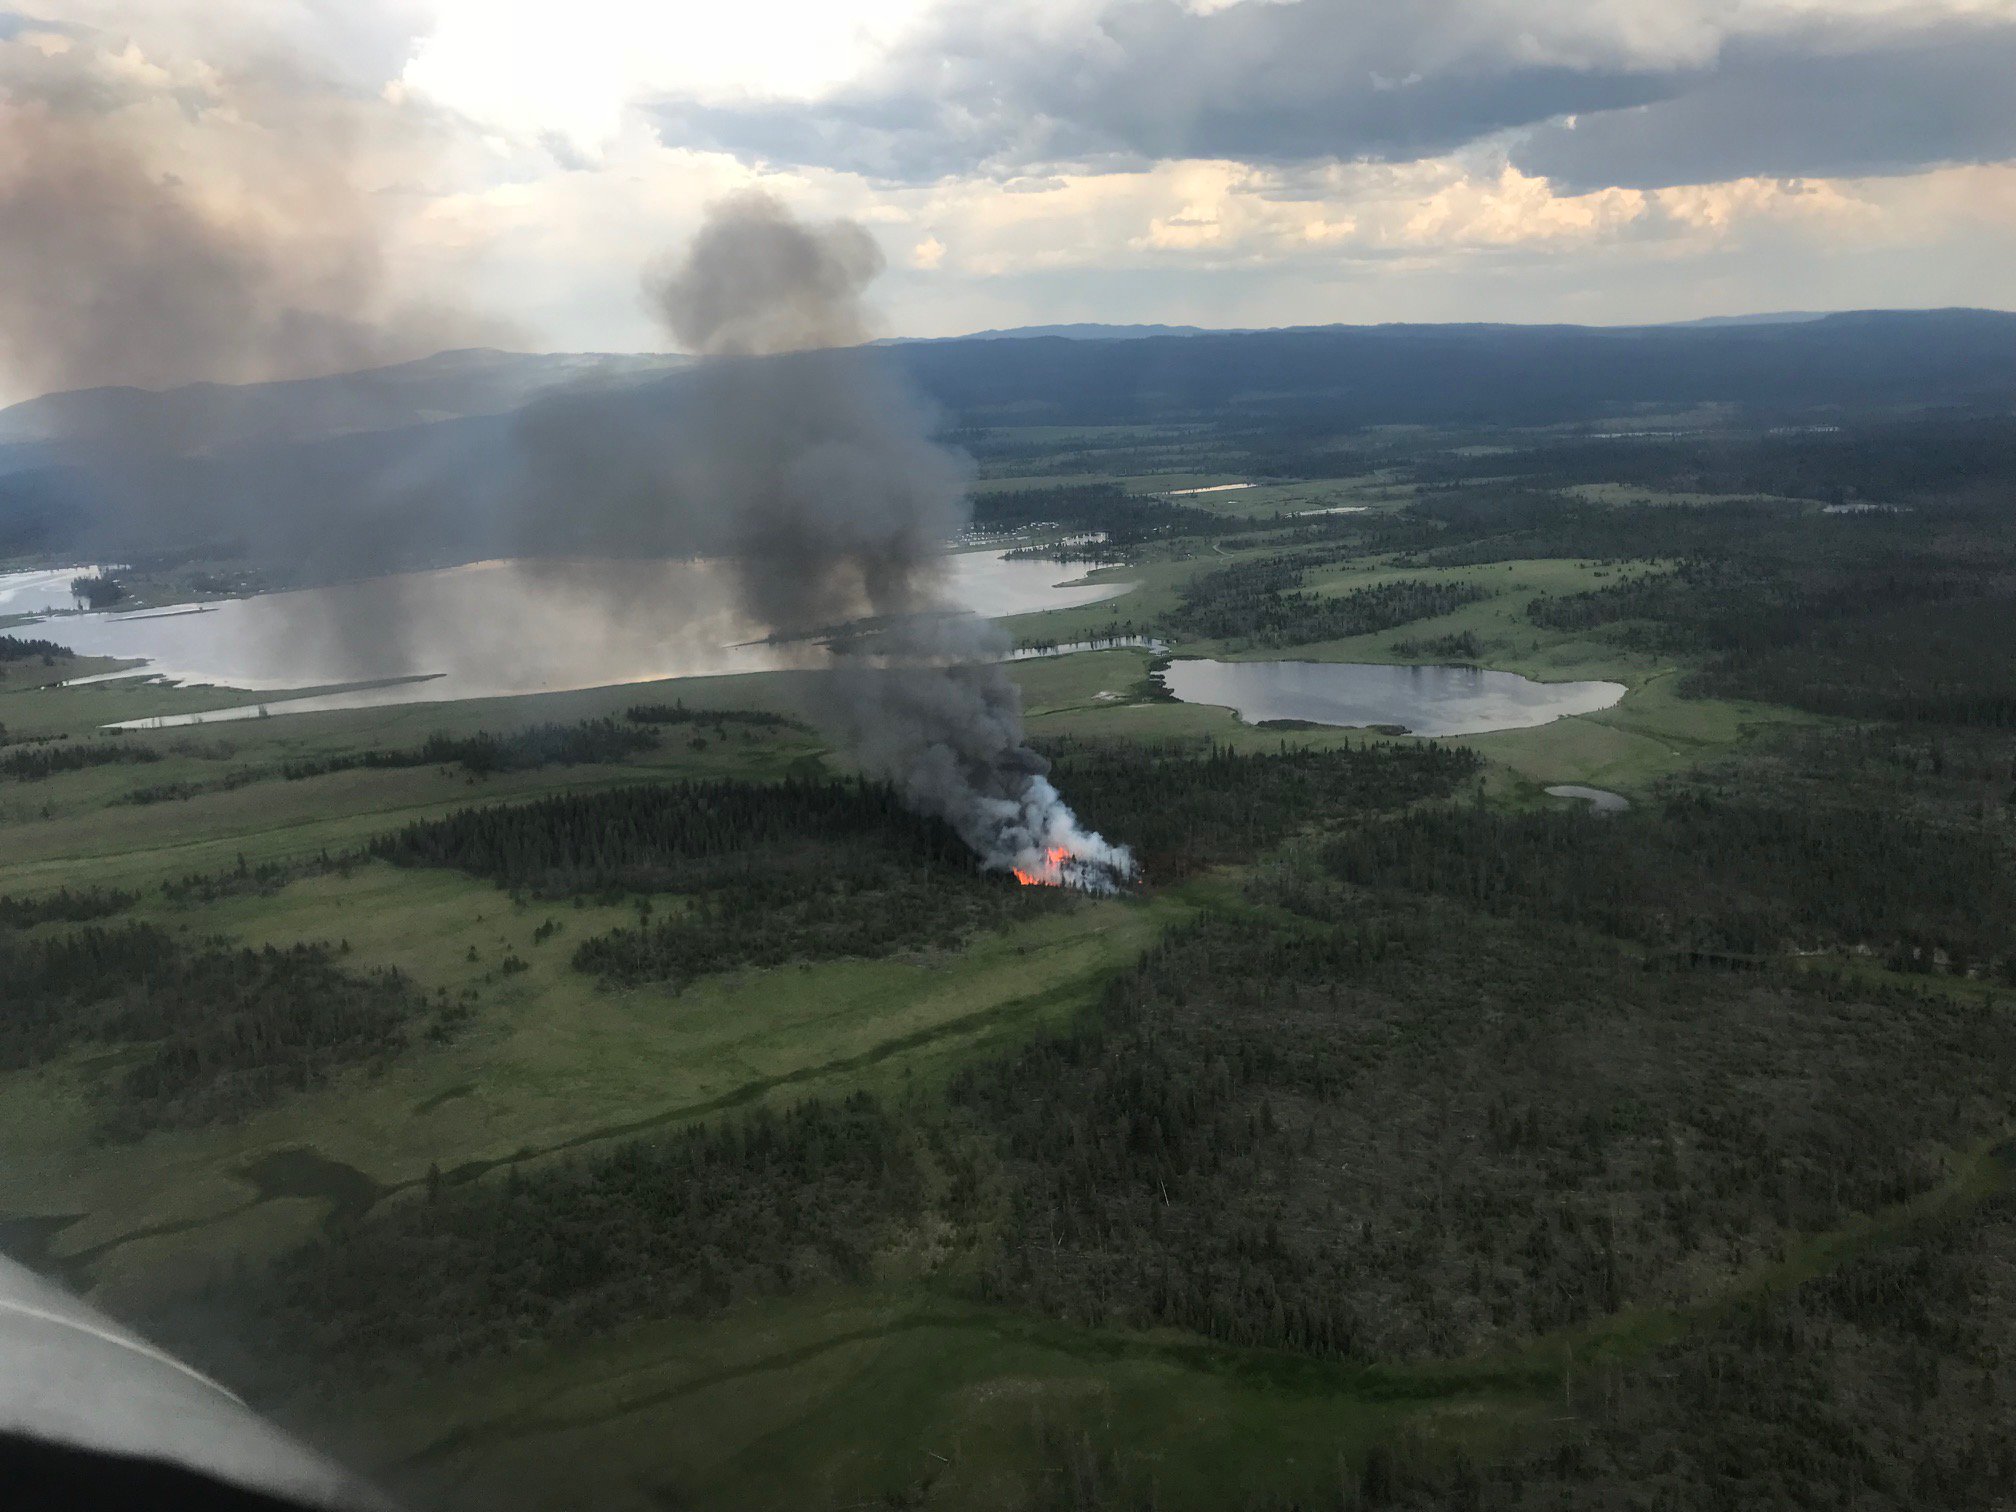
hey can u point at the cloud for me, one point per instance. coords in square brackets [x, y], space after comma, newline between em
[1658, 87]
[992, 88]
[1806, 103]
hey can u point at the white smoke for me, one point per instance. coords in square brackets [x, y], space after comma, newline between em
[1050, 846]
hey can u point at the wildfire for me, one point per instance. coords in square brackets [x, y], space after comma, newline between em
[1052, 874]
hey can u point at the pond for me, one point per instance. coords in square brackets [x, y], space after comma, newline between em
[1420, 700]
[491, 629]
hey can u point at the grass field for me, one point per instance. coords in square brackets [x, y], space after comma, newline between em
[840, 1400]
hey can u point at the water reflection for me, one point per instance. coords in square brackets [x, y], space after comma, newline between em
[1423, 700]
[40, 590]
[500, 628]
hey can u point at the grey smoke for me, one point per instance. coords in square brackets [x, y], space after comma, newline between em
[799, 457]
[212, 226]
[122, 272]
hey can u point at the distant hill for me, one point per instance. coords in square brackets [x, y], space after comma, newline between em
[1477, 374]
[1772, 317]
[206, 416]
[1093, 331]
[423, 450]
[1080, 331]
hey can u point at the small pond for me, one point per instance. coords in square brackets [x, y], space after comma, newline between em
[1421, 700]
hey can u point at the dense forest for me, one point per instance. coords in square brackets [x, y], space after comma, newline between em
[219, 1030]
[1357, 1139]
[1880, 1385]
[1262, 603]
[671, 836]
[1462, 646]
[1472, 524]
[1718, 871]
[1951, 664]
[765, 873]
[1188, 805]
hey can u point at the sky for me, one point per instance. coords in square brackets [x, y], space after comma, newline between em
[243, 188]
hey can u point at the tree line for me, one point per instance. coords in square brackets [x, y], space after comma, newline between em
[15, 648]
[588, 742]
[36, 763]
[64, 906]
[666, 836]
[678, 714]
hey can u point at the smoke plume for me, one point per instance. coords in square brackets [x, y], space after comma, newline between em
[204, 207]
[834, 508]
[162, 221]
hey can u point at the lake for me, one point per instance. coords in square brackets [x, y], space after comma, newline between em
[492, 629]
[40, 590]
[1423, 700]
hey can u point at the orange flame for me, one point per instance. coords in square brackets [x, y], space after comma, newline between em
[1054, 860]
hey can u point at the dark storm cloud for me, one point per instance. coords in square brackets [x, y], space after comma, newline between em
[1806, 106]
[1324, 80]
